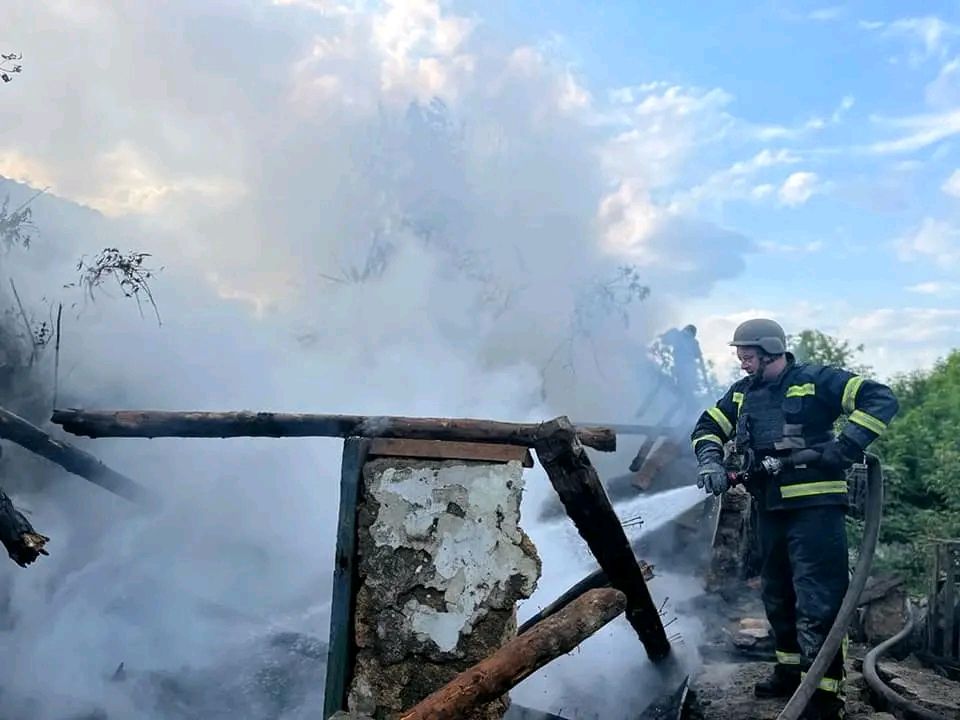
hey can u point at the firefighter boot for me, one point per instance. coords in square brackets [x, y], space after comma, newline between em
[824, 706]
[781, 683]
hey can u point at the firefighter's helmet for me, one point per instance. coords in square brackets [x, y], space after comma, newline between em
[762, 333]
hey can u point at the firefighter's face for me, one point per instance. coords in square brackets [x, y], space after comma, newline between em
[749, 360]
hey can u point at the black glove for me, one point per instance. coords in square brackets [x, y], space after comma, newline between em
[712, 477]
[838, 455]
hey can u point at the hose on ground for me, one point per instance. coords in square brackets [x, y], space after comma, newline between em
[912, 709]
[871, 533]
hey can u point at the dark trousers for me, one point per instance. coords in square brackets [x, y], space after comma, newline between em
[805, 576]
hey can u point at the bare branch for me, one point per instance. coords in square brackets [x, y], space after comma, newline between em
[9, 65]
[128, 271]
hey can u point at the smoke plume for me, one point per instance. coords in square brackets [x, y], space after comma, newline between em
[376, 209]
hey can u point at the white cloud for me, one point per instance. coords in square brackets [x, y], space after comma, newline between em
[767, 133]
[920, 132]
[814, 246]
[759, 192]
[130, 183]
[944, 90]
[16, 164]
[672, 246]
[929, 36]
[903, 339]
[934, 240]
[846, 104]
[935, 288]
[661, 126]
[907, 326]
[736, 181]
[951, 186]
[798, 188]
[825, 14]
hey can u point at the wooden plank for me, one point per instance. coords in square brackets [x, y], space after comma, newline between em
[450, 450]
[156, 423]
[342, 649]
[949, 598]
[646, 442]
[662, 452]
[574, 478]
[520, 657]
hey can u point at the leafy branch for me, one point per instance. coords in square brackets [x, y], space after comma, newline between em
[16, 226]
[128, 271]
[9, 65]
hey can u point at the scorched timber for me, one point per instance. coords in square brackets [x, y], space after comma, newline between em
[24, 433]
[583, 497]
[153, 424]
[521, 657]
[23, 544]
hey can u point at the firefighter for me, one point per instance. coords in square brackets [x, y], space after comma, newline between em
[784, 405]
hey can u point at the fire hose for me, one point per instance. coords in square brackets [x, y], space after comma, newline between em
[910, 708]
[871, 532]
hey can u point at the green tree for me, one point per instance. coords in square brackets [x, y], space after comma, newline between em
[814, 346]
[921, 454]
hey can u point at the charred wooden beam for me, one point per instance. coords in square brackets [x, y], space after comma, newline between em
[597, 579]
[521, 657]
[582, 494]
[152, 424]
[23, 544]
[24, 433]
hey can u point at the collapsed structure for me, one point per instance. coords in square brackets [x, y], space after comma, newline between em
[431, 559]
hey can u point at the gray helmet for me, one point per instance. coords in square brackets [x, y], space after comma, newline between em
[762, 333]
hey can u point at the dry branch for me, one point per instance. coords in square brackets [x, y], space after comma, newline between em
[23, 543]
[521, 657]
[152, 424]
[582, 494]
[23, 433]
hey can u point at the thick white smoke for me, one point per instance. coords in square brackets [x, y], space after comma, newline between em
[364, 209]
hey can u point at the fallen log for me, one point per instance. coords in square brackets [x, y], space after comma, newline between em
[521, 657]
[582, 494]
[23, 544]
[22, 432]
[597, 579]
[156, 423]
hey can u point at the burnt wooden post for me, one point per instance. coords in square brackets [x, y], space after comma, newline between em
[943, 635]
[342, 643]
[582, 494]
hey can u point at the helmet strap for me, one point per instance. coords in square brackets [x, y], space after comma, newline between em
[764, 359]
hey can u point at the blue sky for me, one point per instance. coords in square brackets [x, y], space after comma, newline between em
[849, 91]
[783, 158]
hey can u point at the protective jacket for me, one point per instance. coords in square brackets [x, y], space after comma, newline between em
[795, 410]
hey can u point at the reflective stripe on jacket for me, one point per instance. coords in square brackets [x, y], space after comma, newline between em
[812, 396]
